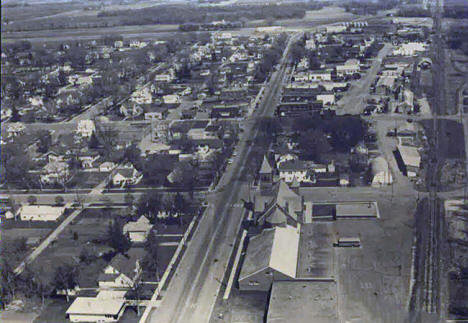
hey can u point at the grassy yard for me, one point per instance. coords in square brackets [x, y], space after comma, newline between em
[54, 312]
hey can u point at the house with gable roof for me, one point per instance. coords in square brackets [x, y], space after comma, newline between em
[138, 230]
[123, 270]
[126, 176]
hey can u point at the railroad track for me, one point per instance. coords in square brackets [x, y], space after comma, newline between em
[430, 225]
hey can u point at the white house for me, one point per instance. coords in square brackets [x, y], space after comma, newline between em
[165, 77]
[15, 129]
[294, 170]
[310, 44]
[320, 75]
[55, 172]
[171, 99]
[86, 128]
[409, 49]
[350, 67]
[138, 230]
[123, 270]
[326, 98]
[93, 309]
[40, 212]
[106, 167]
[142, 96]
[126, 176]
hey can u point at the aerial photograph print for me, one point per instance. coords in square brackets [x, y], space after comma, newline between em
[234, 161]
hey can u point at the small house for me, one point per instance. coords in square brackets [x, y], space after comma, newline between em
[138, 230]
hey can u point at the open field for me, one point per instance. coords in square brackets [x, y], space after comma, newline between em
[312, 18]
[37, 11]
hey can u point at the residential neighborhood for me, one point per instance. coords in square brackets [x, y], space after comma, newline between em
[234, 161]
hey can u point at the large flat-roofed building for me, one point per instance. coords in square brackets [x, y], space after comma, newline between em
[303, 301]
[316, 258]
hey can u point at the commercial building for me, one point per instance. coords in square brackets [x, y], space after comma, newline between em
[410, 160]
[40, 212]
[271, 255]
[303, 301]
[92, 309]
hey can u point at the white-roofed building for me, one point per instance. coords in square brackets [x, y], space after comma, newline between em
[40, 212]
[380, 172]
[350, 67]
[271, 256]
[138, 230]
[86, 128]
[91, 309]
[411, 159]
[410, 49]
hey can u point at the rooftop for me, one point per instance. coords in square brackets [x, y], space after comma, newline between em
[96, 306]
[274, 248]
[293, 301]
[316, 253]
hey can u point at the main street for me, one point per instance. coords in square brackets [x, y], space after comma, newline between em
[192, 293]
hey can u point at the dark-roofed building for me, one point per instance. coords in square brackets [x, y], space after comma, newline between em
[226, 111]
[291, 109]
[123, 270]
[266, 174]
[282, 207]
[303, 301]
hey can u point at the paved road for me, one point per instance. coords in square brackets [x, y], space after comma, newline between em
[353, 101]
[192, 293]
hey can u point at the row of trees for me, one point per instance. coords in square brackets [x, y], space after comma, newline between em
[151, 205]
[271, 57]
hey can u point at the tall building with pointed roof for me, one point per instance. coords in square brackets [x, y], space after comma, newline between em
[266, 174]
[282, 207]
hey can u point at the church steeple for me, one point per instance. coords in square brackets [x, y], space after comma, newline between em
[266, 174]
